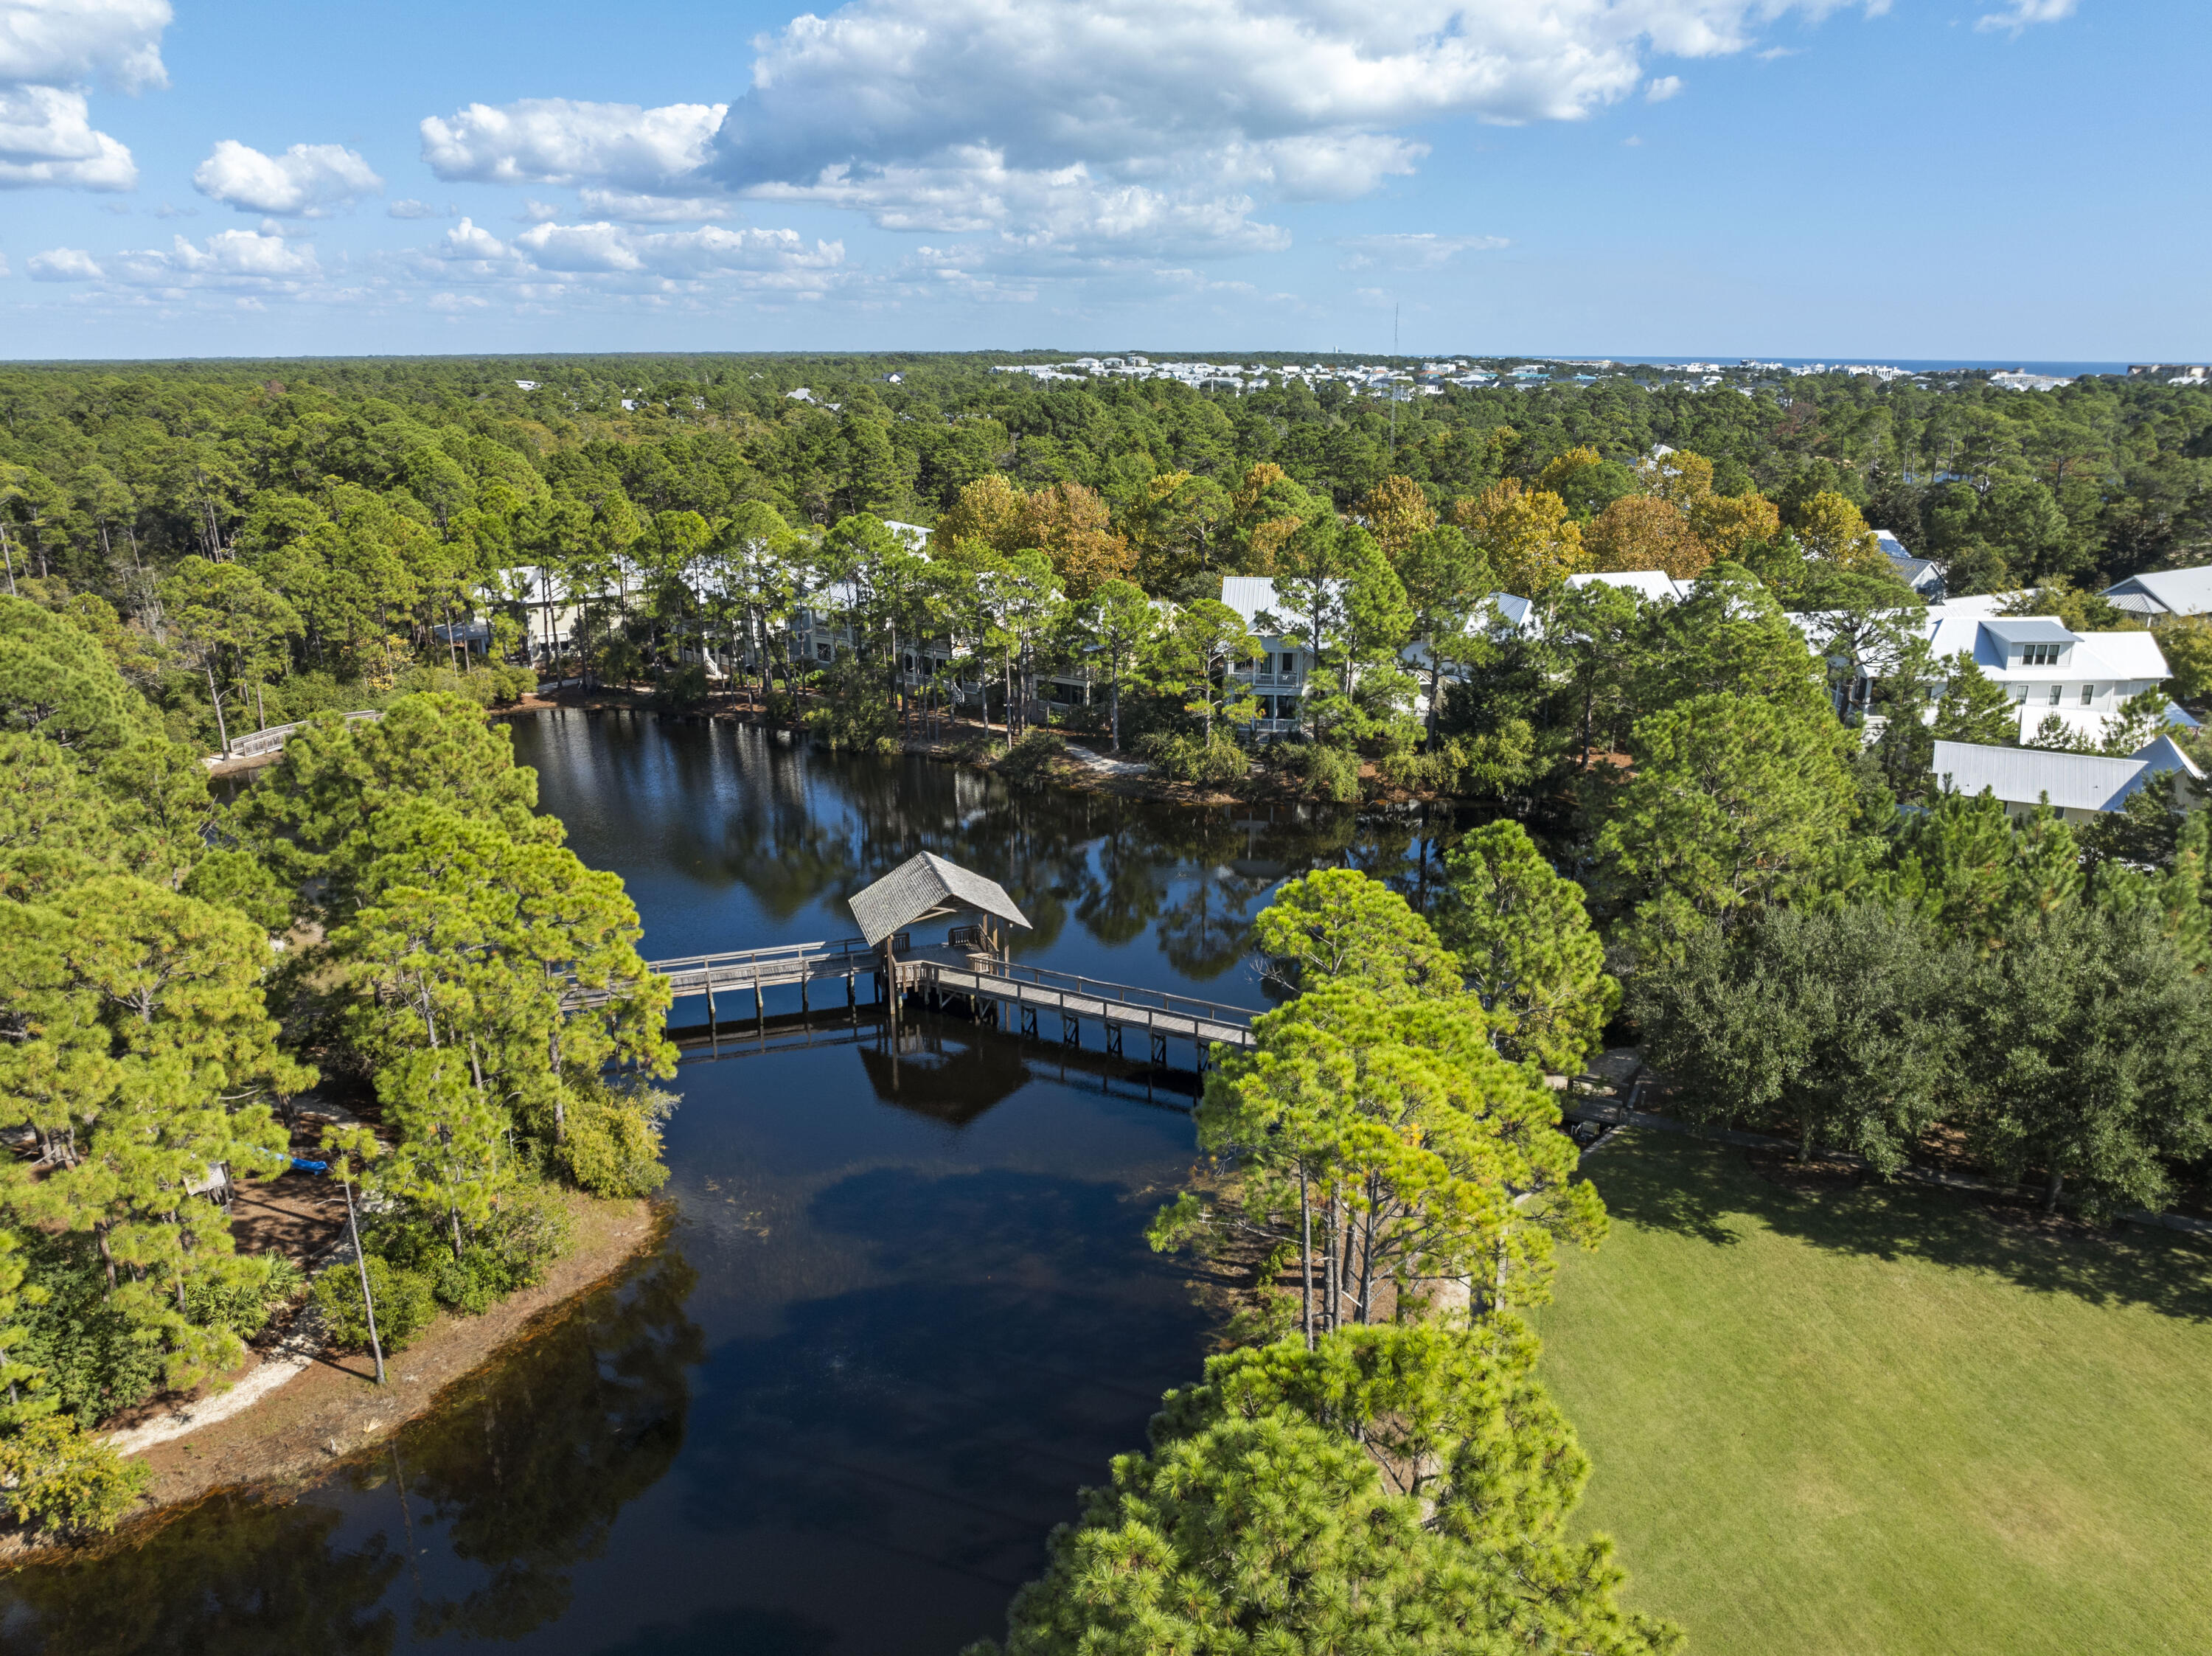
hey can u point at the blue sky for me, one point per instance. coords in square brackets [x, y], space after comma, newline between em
[2001, 179]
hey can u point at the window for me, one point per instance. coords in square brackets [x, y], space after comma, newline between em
[1289, 663]
[821, 653]
[2054, 693]
[2088, 695]
[2038, 655]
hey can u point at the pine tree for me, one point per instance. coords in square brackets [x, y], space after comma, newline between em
[1340, 925]
[1394, 1490]
[1733, 803]
[1526, 948]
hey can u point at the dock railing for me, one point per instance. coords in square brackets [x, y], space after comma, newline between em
[1096, 998]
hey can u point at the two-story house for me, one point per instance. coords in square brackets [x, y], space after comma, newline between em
[2048, 669]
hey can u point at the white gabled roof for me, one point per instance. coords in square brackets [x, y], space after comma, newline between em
[2071, 781]
[2169, 591]
[1979, 607]
[2118, 656]
[1250, 595]
[1650, 584]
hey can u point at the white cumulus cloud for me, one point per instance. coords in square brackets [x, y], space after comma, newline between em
[633, 208]
[64, 264]
[469, 241]
[953, 113]
[1663, 87]
[613, 259]
[308, 179]
[65, 42]
[561, 141]
[46, 137]
[229, 258]
[408, 208]
[708, 251]
[50, 50]
[1105, 128]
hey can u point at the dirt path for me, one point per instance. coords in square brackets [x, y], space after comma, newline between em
[329, 1405]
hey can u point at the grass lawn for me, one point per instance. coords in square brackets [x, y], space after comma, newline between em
[1827, 1419]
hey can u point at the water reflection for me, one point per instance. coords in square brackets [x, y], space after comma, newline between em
[526, 1467]
[793, 833]
[908, 1310]
[235, 1575]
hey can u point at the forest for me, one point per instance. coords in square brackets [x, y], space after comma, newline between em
[256, 543]
[1713, 851]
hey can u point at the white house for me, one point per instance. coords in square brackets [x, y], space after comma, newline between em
[1650, 584]
[2164, 592]
[2046, 668]
[1279, 675]
[1920, 574]
[2080, 786]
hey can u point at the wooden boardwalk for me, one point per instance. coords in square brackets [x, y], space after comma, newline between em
[991, 988]
[1032, 990]
[748, 971]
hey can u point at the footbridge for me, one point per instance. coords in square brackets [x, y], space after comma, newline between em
[969, 971]
[956, 976]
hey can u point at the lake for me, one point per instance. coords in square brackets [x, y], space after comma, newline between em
[906, 1311]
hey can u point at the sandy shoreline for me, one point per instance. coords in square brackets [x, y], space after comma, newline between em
[330, 1407]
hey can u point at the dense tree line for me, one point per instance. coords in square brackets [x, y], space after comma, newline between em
[257, 542]
[175, 974]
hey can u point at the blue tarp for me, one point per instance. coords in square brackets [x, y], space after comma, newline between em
[299, 1166]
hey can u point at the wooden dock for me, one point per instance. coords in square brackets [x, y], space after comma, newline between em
[749, 971]
[1032, 990]
[990, 988]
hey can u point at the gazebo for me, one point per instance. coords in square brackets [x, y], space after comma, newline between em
[926, 888]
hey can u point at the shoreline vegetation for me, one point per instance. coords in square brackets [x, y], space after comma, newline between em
[334, 1412]
[299, 1070]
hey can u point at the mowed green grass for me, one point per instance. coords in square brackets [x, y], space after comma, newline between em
[1883, 1419]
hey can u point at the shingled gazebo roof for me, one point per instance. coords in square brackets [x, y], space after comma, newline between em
[924, 886]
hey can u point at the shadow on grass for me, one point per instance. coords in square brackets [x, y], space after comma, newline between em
[1673, 1182]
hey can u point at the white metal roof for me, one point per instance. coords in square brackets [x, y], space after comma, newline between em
[1979, 606]
[2028, 629]
[2172, 591]
[1250, 595]
[2071, 781]
[1647, 583]
[2118, 657]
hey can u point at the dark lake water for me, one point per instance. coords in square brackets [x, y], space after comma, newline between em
[906, 1310]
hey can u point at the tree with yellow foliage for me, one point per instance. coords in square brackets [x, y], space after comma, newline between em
[1642, 531]
[1728, 524]
[1071, 524]
[1532, 544]
[1829, 526]
[1679, 478]
[1586, 481]
[1395, 511]
[987, 511]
